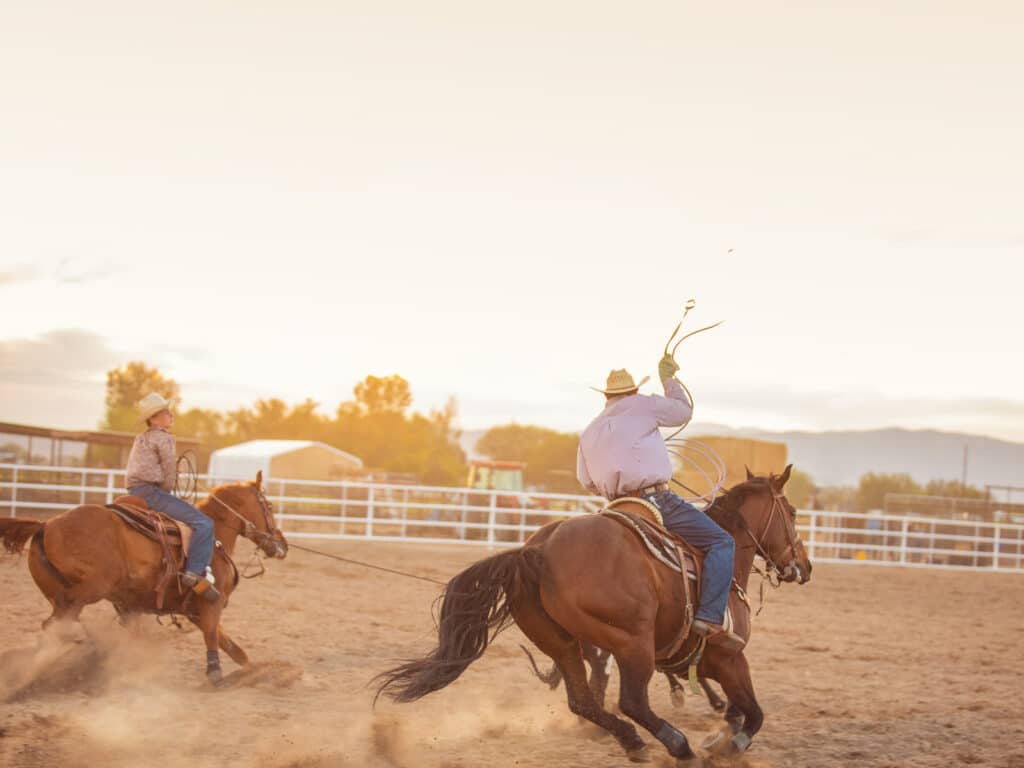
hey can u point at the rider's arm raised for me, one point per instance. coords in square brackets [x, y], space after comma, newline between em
[673, 409]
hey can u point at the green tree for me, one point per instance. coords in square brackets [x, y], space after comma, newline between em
[377, 428]
[800, 489]
[125, 387]
[953, 488]
[274, 419]
[873, 487]
[550, 456]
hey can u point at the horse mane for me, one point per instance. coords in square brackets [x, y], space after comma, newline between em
[725, 510]
[229, 492]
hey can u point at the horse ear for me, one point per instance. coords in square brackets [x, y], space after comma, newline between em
[782, 479]
[259, 478]
[750, 475]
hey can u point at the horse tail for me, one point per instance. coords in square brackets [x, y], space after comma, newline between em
[474, 609]
[551, 678]
[16, 531]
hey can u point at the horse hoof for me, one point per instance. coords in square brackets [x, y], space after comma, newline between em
[639, 755]
[216, 677]
[678, 698]
[741, 741]
[717, 743]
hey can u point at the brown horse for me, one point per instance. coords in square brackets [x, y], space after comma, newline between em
[590, 580]
[88, 554]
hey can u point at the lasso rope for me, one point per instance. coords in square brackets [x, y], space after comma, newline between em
[186, 480]
[677, 446]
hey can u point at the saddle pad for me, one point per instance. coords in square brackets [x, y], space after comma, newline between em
[659, 542]
[140, 518]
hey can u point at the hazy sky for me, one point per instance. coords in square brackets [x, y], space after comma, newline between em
[501, 202]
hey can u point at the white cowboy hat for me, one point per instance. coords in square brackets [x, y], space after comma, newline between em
[620, 382]
[152, 404]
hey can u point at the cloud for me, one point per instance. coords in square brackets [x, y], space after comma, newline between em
[56, 379]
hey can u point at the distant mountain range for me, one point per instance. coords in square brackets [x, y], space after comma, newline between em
[841, 457]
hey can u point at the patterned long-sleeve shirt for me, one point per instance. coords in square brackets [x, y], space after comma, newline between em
[153, 459]
[622, 451]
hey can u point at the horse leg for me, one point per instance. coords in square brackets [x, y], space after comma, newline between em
[598, 660]
[734, 718]
[636, 666]
[65, 610]
[209, 623]
[676, 691]
[714, 699]
[232, 649]
[733, 674]
[565, 650]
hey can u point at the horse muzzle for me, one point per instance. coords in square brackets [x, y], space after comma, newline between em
[797, 572]
[275, 548]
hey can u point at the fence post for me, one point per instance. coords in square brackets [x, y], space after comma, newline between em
[81, 493]
[405, 509]
[995, 548]
[903, 540]
[344, 506]
[369, 513]
[110, 487]
[492, 518]
[14, 494]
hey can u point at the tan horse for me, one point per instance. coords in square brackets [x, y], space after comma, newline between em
[590, 580]
[89, 553]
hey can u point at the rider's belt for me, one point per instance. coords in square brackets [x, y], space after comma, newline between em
[650, 489]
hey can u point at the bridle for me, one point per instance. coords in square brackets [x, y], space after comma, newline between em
[248, 530]
[774, 574]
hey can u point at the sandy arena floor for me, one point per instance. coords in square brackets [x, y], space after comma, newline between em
[863, 666]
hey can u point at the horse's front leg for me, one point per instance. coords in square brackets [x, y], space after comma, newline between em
[733, 674]
[209, 623]
[713, 698]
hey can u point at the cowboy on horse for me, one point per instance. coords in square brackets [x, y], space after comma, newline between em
[622, 454]
[151, 475]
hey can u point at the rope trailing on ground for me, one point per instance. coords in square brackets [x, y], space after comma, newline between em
[367, 565]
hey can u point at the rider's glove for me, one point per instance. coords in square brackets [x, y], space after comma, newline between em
[667, 368]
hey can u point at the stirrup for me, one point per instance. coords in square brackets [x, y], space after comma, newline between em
[200, 586]
[717, 634]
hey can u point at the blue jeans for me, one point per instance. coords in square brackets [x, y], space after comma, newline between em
[200, 550]
[718, 546]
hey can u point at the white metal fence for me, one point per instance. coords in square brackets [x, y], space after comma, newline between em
[425, 514]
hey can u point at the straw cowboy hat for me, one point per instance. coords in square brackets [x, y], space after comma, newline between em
[152, 404]
[620, 382]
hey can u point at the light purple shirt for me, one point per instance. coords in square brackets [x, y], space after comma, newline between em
[622, 451]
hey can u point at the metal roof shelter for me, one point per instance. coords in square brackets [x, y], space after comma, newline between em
[283, 459]
[27, 444]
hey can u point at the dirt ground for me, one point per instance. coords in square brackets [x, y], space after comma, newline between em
[863, 666]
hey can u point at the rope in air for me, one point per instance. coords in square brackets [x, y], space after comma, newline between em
[680, 447]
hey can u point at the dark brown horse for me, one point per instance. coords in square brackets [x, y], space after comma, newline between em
[88, 554]
[590, 580]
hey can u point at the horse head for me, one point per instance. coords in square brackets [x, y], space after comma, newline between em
[247, 502]
[770, 521]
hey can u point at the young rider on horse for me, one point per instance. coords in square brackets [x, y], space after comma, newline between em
[622, 453]
[151, 475]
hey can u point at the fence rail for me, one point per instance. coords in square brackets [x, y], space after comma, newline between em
[447, 515]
